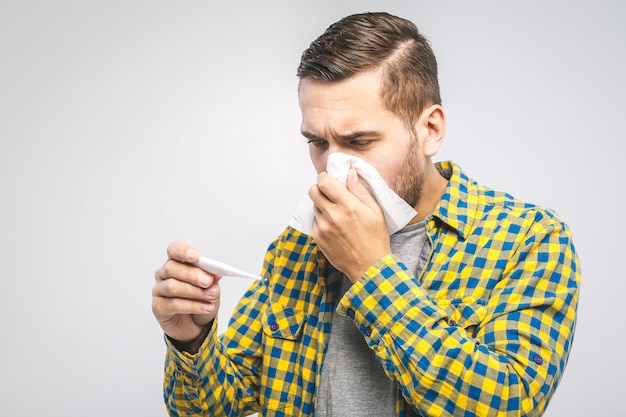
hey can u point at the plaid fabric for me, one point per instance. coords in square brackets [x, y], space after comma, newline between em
[486, 329]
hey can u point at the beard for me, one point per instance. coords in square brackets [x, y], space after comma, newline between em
[410, 176]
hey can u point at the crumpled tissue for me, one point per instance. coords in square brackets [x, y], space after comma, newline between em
[398, 213]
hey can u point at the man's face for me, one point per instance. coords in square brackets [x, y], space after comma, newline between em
[349, 116]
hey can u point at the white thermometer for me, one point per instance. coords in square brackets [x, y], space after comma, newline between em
[219, 268]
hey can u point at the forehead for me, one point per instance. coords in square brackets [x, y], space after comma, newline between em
[348, 92]
[351, 104]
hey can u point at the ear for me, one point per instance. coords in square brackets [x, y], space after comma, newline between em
[433, 125]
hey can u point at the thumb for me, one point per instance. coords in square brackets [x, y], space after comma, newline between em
[357, 188]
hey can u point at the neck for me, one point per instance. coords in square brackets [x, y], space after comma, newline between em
[434, 187]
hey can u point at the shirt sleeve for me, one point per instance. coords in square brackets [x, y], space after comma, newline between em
[222, 379]
[504, 358]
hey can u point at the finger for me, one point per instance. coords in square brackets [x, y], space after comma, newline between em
[325, 212]
[186, 273]
[326, 193]
[164, 307]
[356, 187]
[329, 187]
[172, 288]
[183, 252]
[320, 201]
[334, 190]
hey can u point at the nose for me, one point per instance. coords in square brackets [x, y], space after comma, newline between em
[340, 146]
[334, 148]
[331, 148]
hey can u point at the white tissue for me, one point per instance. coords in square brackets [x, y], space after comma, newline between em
[398, 213]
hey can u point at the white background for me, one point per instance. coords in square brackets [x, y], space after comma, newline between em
[125, 125]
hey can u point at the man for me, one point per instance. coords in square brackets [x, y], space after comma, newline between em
[468, 310]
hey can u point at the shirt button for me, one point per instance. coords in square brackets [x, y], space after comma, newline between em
[350, 313]
[368, 332]
[537, 359]
[452, 323]
[274, 326]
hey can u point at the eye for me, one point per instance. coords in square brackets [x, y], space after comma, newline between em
[360, 143]
[317, 143]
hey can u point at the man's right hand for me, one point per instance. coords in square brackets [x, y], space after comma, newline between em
[185, 299]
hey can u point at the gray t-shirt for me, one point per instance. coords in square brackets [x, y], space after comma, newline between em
[353, 382]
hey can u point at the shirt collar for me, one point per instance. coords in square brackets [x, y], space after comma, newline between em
[458, 205]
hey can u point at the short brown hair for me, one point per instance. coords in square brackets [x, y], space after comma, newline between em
[369, 41]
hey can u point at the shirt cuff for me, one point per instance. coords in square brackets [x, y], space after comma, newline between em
[188, 363]
[387, 294]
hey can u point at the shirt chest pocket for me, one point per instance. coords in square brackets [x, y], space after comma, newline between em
[283, 322]
[466, 312]
[282, 359]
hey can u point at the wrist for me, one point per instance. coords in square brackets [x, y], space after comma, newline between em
[192, 346]
[358, 271]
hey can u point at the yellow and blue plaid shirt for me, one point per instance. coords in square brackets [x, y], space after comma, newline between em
[485, 330]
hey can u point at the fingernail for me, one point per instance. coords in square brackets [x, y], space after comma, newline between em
[209, 307]
[192, 253]
[204, 279]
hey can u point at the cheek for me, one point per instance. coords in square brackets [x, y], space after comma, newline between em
[389, 170]
[387, 176]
